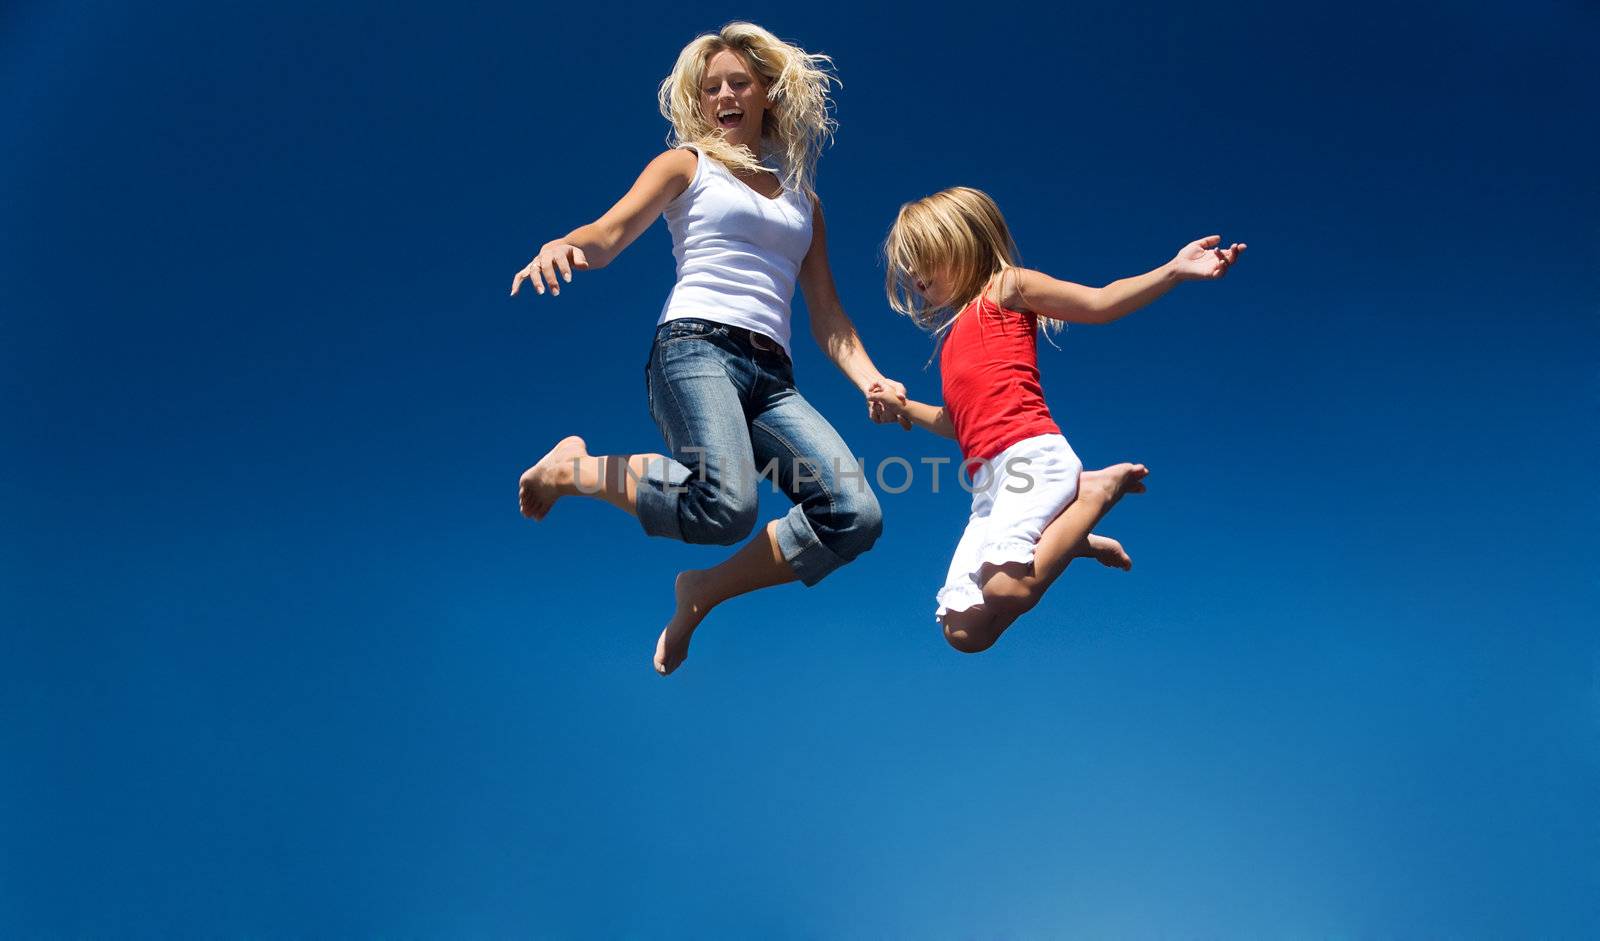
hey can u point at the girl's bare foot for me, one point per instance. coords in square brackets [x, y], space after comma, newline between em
[672, 647]
[1106, 551]
[1110, 484]
[543, 483]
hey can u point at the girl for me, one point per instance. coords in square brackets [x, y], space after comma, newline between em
[1033, 506]
[749, 115]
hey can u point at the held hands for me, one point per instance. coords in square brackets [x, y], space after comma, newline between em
[886, 400]
[1203, 260]
[554, 257]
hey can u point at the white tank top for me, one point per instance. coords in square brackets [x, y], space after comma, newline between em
[738, 252]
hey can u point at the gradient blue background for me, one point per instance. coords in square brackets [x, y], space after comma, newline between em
[281, 658]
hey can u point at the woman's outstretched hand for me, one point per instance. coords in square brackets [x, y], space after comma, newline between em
[886, 400]
[555, 258]
[1203, 260]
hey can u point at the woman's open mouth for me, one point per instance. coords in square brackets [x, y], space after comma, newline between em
[729, 118]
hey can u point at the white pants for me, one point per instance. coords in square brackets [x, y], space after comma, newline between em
[1016, 495]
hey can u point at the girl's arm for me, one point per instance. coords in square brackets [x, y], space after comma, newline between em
[932, 418]
[1075, 303]
[831, 326]
[595, 245]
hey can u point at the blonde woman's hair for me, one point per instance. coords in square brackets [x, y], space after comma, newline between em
[958, 232]
[798, 122]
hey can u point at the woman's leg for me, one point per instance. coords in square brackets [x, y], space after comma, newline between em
[705, 492]
[569, 470]
[836, 516]
[835, 519]
[758, 564]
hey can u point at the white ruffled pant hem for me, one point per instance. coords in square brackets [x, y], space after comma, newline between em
[1009, 514]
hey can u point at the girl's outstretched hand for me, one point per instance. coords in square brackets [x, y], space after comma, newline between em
[553, 258]
[1202, 259]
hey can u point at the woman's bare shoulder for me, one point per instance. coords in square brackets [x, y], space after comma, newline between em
[679, 161]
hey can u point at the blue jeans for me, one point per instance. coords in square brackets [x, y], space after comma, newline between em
[727, 406]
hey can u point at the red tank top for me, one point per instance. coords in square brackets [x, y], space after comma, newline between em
[990, 368]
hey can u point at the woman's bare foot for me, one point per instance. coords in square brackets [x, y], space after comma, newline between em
[672, 647]
[1105, 550]
[545, 482]
[1110, 484]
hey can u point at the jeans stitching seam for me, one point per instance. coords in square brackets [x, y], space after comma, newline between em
[677, 404]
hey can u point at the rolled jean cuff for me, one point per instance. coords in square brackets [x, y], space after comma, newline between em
[805, 553]
[656, 498]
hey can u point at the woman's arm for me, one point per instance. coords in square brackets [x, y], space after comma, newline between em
[1075, 303]
[932, 418]
[595, 245]
[831, 326]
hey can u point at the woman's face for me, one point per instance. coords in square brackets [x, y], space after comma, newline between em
[733, 97]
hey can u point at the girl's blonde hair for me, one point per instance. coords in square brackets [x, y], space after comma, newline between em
[798, 122]
[959, 233]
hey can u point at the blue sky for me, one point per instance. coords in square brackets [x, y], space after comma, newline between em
[281, 658]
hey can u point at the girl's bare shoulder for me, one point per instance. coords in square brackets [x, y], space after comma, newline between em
[1009, 289]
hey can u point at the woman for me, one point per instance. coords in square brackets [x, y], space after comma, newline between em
[749, 116]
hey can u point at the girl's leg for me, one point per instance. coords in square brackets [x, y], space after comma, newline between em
[970, 629]
[975, 630]
[1011, 590]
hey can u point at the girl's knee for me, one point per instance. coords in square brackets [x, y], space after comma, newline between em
[968, 640]
[969, 631]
